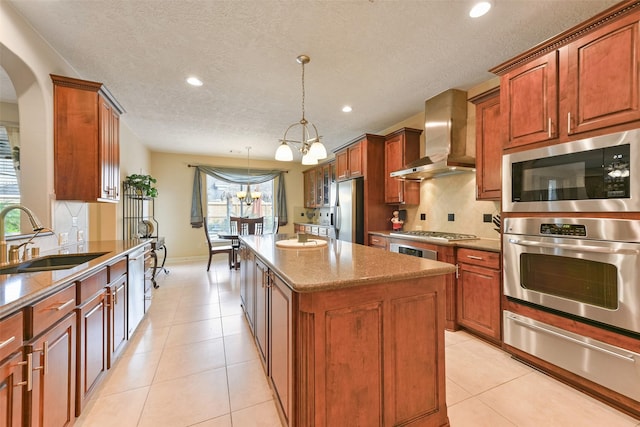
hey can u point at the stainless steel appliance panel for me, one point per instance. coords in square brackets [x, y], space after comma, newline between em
[349, 211]
[596, 174]
[585, 267]
[402, 248]
[136, 290]
[604, 364]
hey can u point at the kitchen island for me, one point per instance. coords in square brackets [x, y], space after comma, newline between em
[348, 334]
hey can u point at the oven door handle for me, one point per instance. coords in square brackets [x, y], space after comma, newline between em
[626, 357]
[577, 248]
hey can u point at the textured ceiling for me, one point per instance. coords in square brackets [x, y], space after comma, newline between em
[385, 58]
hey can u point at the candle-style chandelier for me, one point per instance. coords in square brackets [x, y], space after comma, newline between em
[248, 196]
[309, 144]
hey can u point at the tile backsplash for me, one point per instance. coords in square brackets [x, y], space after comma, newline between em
[452, 194]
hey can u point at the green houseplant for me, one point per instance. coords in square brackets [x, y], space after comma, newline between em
[143, 184]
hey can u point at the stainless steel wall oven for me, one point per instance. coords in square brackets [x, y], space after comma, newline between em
[584, 269]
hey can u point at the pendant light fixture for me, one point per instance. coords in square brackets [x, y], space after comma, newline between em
[252, 195]
[309, 144]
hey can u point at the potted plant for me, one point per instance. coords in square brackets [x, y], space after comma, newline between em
[143, 184]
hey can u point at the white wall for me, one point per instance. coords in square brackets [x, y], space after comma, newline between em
[175, 183]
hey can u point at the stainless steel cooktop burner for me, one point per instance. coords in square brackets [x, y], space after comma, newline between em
[433, 235]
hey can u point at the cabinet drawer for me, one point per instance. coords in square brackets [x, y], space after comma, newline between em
[11, 334]
[377, 241]
[116, 270]
[482, 258]
[45, 313]
[91, 285]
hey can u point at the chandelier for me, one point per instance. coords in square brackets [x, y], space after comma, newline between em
[309, 144]
[248, 196]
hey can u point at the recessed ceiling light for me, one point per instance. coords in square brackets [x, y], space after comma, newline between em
[480, 8]
[346, 109]
[194, 81]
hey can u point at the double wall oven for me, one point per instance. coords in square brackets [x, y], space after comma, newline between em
[583, 269]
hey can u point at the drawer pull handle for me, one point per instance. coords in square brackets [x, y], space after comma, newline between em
[65, 305]
[45, 358]
[475, 257]
[7, 342]
[29, 363]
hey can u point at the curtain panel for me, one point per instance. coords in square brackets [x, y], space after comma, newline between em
[237, 176]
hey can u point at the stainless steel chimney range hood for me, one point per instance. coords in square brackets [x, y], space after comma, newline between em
[446, 151]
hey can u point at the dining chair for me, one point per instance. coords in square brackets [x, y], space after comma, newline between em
[225, 247]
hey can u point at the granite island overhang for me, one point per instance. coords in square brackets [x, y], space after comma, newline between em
[348, 334]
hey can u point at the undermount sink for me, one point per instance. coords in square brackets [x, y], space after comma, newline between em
[50, 262]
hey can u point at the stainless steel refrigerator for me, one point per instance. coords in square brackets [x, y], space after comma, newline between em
[349, 210]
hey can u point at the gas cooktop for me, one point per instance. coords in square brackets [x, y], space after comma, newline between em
[433, 235]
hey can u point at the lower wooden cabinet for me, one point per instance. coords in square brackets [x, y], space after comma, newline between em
[11, 378]
[378, 241]
[51, 401]
[281, 343]
[116, 318]
[261, 320]
[479, 292]
[248, 284]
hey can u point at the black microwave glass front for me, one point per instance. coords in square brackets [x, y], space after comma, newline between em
[594, 174]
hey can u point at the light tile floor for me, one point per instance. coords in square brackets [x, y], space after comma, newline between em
[192, 362]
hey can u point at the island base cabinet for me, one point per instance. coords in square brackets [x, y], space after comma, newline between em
[281, 343]
[11, 386]
[51, 401]
[372, 355]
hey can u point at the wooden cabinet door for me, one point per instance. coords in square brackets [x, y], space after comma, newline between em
[109, 153]
[488, 149]
[356, 163]
[393, 156]
[378, 241]
[479, 299]
[327, 171]
[117, 324]
[261, 320]
[342, 165]
[602, 84]
[529, 102]
[51, 402]
[92, 347]
[11, 376]
[281, 343]
[248, 285]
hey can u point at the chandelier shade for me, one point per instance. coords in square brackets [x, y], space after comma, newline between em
[309, 144]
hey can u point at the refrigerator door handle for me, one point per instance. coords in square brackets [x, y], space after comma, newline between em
[338, 218]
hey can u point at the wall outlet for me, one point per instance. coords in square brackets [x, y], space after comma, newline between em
[486, 217]
[63, 239]
[423, 217]
[451, 217]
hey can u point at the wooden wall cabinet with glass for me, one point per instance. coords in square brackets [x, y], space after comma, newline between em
[479, 292]
[309, 188]
[86, 126]
[401, 148]
[488, 145]
[589, 81]
[317, 185]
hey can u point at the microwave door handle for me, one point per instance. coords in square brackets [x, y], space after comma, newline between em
[577, 248]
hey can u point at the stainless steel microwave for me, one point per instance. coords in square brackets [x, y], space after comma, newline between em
[597, 174]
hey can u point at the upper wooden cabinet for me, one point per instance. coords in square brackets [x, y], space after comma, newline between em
[309, 177]
[488, 145]
[401, 148]
[349, 162]
[86, 141]
[584, 80]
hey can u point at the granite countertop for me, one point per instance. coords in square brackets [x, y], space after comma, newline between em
[21, 289]
[484, 244]
[339, 264]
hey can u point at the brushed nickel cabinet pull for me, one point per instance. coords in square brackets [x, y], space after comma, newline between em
[28, 381]
[475, 257]
[7, 341]
[569, 122]
[549, 127]
[45, 358]
[65, 305]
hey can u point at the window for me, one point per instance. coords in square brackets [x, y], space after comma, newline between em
[9, 187]
[222, 203]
